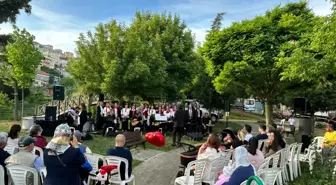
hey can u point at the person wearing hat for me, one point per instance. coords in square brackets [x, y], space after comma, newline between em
[84, 148]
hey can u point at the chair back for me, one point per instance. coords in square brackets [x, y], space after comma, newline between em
[319, 142]
[2, 175]
[43, 174]
[227, 154]
[199, 171]
[11, 149]
[289, 150]
[275, 159]
[269, 176]
[265, 164]
[113, 160]
[213, 167]
[262, 145]
[19, 174]
[94, 159]
[298, 149]
[40, 151]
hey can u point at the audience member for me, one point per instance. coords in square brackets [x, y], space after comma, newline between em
[262, 133]
[255, 156]
[330, 136]
[205, 121]
[84, 148]
[62, 160]
[120, 151]
[273, 143]
[25, 157]
[211, 139]
[211, 148]
[241, 171]
[3, 154]
[248, 136]
[36, 132]
[13, 135]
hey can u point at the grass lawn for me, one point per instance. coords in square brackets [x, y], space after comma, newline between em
[235, 116]
[100, 144]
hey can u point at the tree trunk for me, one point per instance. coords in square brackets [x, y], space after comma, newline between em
[16, 100]
[268, 113]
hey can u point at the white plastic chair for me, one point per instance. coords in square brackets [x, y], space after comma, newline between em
[43, 174]
[2, 175]
[269, 176]
[19, 173]
[212, 168]
[187, 179]
[291, 151]
[309, 157]
[11, 149]
[94, 159]
[319, 141]
[116, 179]
[39, 150]
[265, 164]
[276, 164]
[296, 161]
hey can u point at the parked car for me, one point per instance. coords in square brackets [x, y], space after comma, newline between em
[215, 114]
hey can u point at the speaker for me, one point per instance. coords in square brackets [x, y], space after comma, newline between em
[58, 92]
[227, 106]
[301, 106]
[50, 113]
[101, 97]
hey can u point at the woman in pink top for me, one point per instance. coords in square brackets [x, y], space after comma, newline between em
[255, 156]
[206, 145]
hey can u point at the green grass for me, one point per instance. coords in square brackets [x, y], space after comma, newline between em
[235, 116]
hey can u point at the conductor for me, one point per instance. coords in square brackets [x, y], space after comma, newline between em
[178, 127]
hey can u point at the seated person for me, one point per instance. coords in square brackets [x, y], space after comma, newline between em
[13, 135]
[255, 156]
[120, 151]
[205, 121]
[25, 156]
[239, 172]
[36, 132]
[330, 136]
[205, 145]
[262, 133]
[83, 147]
[212, 148]
[3, 154]
[273, 143]
[248, 135]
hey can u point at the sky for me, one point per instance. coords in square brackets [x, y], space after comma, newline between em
[59, 22]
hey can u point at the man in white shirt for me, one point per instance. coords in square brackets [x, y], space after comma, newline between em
[125, 114]
[248, 136]
[291, 122]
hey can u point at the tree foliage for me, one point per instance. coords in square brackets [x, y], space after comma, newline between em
[9, 9]
[217, 22]
[69, 84]
[151, 58]
[245, 55]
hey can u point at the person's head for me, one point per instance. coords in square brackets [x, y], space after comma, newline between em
[274, 139]
[198, 107]
[126, 105]
[133, 106]
[253, 146]
[167, 107]
[330, 127]
[262, 129]
[82, 107]
[14, 131]
[236, 143]
[3, 139]
[78, 135]
[62, 134]
[213, 141]
[241, 157]
[248, 128]
[206, 115]
[101, 103]
[27, 143]
[141, 106]
[152, 106]
[190, 106]
[35, 130]
[120, 140]
[115, 104]
[107, 104]
[174, 107]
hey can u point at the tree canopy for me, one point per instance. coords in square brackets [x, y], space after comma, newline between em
[9, 9]
[246, 54]
[152, 57]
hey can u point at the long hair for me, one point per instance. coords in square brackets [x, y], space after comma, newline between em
[14, 131]
[276, 142]
[253, 145]
[83, 107]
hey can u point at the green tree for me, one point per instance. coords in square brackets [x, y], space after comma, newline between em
[69, 84]
[152, 58]
[245, 55]
[9, 9]
[22, 60]
[217, 22]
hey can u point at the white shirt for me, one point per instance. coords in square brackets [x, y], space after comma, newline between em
[291, 121]
[101, 110]
[152, 112]
[199, 113]
[14, 142]
[106, 110]
[125, 112]
[248, 137]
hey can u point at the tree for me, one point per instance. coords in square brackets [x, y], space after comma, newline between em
[9, 9]
[217, 22]
[245, 55]
[69, 84]
[152, 58]
[22, 60]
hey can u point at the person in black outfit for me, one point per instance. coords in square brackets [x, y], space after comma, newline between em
[205, 121]
[3, 154]
[120, 151]
[82, 117]
[198, 118]
[99, 116]
[178, 125]
[262, 133]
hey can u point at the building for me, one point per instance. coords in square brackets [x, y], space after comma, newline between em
[42, 79]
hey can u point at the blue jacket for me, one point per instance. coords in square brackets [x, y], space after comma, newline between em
[240, 175]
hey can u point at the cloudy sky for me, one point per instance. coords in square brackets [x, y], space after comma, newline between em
[59, 22]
